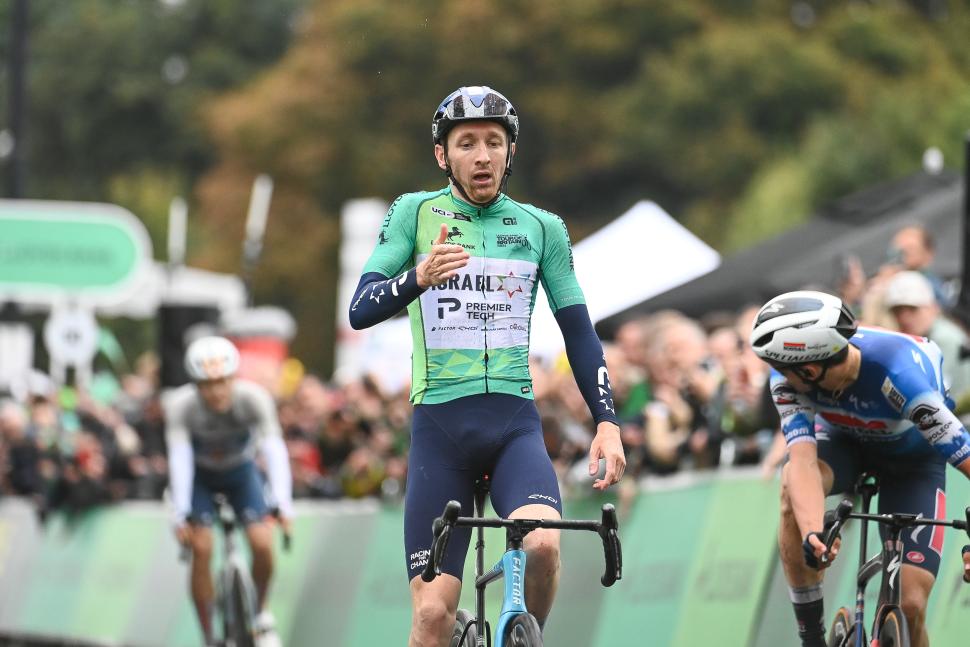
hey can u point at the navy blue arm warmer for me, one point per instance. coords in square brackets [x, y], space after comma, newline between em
[378, 298]
[585, 353]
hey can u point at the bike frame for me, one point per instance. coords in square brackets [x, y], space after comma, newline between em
[512, 568]
[233, 563]
[889, 561]
[512, 565]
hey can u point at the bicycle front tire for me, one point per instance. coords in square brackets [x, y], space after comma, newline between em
[842, 629]
[462, 620]
[243, 630]
[523, 631]
[893, 630]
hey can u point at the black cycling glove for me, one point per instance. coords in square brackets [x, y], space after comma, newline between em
[809, 551]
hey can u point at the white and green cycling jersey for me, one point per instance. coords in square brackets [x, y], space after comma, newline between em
[471, 335]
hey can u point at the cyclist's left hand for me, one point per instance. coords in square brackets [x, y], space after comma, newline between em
[606, 444]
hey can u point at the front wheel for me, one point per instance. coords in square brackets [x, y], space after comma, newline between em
[523, 631]
[242, 627]
[464, 619]
[893, 630]
[842, 633]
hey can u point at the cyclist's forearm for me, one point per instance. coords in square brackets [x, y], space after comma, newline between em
[585, 353]
[278, 470]
[378, 298]
[806, 494]
[181, 470]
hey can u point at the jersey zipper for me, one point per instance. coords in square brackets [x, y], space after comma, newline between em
[484, 296]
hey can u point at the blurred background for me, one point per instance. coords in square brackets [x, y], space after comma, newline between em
[171, 164]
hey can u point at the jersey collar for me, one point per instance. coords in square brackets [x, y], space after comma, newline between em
[467, 207]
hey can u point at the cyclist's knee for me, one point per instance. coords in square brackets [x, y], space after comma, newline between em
[201, 541]
[432, 615]
[913, 603]
[260, 536]
[543, 547]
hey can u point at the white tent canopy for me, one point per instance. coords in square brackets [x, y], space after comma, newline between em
[640, 254]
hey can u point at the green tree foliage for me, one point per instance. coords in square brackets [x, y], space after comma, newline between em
[740, 117]
[114, 90]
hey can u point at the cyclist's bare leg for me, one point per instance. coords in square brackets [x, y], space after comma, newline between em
[260, 537]
[203, 594]
[797, 572]
[917, 584]
[542, 565]
[433, 608]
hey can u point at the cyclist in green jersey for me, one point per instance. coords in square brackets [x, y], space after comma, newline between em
[467, 262]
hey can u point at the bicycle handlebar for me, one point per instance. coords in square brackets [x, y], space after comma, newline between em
[441, 531]
[606, 528]
[611, 546]
[835, 519]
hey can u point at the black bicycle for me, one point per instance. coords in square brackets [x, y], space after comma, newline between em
[516, 627]
[889, 629]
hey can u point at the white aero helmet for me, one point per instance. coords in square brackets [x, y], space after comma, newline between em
[799, 327]
[211, 358]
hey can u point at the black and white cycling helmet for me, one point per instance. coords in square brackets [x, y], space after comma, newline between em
[799, 327]
[211, 358]
[470, 103]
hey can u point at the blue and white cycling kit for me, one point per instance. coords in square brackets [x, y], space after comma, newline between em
[213, 452]
[894, 420]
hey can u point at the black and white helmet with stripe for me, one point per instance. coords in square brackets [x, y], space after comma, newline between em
[471, 103]
[800, 327]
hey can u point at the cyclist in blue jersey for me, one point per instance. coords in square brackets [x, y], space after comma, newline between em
[855, 399]
[467, 262]
[214, 427]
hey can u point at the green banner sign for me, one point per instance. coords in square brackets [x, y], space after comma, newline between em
[91, 252]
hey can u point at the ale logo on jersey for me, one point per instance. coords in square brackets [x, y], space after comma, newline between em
[791, 345]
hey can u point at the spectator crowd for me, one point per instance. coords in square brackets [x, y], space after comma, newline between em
[690, 395]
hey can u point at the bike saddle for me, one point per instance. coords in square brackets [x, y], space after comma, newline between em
[867, 484]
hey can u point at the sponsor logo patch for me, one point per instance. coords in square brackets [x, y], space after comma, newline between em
[784, 394]
[915, 557]
[924, 416]
[892, 394]
[791, 345]
[449, 214]
[513, 240]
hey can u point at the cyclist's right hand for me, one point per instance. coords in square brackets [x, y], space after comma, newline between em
[183, 533]
[813, 549]
[442, 262]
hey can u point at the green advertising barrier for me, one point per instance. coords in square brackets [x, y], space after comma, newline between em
[700, 567]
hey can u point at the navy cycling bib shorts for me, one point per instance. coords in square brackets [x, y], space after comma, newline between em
[914, 483]
[452, 445]
[242, 486]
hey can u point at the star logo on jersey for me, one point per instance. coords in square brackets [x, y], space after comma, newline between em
[510, 284]
[377, 297]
